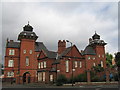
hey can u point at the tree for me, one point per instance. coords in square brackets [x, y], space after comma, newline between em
[109, 58]
[117, 60]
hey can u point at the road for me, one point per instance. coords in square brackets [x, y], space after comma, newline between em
[8, 86]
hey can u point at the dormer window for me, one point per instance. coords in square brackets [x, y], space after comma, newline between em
[31, 34]
[24, 33]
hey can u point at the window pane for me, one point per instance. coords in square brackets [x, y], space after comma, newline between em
[44, 64]
[27, 61]
[67, 66]
[30, 51]
[24, 51]
[41, 64]
[101, 63]
[93, 64]
[43, 76]
[10, 74]
[51, 77]
[11, 52]
[10, 63]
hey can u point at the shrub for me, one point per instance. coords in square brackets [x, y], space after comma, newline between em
[95, 78]
[81, 77]
[61, 80]
[115, 77]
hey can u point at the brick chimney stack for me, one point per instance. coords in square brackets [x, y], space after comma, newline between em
[61, 46]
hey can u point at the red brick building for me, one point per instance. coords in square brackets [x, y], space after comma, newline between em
[30, 61]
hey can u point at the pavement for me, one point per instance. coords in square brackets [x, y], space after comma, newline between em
[7, 86]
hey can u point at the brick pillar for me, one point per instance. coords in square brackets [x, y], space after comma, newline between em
[21, 79]
[107, 75]
[88, 76]
[17, 79]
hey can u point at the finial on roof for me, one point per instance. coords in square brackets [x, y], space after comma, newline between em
[28, 22]
[95, 31]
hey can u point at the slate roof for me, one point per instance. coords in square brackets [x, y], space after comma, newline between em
[89, 51]
[13, 45]
[65, 51]
[40, 46]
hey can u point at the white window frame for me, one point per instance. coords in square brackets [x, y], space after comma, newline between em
[51, 77]
[27, 61]
[76, 64]
[43, 76]
[67, 65]
[11, 52]
[11, 63]
[30, 51]
[10, 74]
[80, 64]
[24, 51]
[41, 64]
[44, 64]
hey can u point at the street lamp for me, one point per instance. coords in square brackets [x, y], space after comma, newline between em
[71, 59]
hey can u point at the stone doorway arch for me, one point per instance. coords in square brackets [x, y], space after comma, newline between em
[26, 77]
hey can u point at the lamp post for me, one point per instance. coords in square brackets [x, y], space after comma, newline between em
[71, 60]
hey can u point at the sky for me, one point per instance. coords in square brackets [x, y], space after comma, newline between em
[53, 21]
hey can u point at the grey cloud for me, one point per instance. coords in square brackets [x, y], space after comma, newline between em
[53, 21]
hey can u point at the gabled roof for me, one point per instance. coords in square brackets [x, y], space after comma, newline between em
[89, 51]
[64, 53]
[13, 45]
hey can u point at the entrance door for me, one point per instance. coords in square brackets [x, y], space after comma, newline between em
[26, 77]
